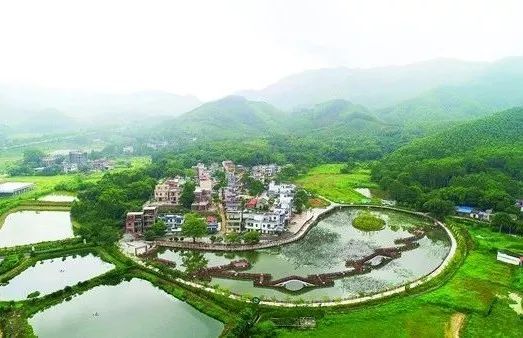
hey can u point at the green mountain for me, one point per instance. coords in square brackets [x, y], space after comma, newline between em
[479, 163]
[375, 87]
[337, 117]
[230, 117]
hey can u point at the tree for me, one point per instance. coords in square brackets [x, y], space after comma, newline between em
[348, 167]
[301, 199]
[194, 226]
[187, 195]
[33, 157]
[233, 237]
[502, 221]
[251, 237]
[159, 228]
[149, 235]
[287, 173]
[193, 261]
[438, 208]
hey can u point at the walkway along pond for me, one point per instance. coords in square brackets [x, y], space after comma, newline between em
[358, 263]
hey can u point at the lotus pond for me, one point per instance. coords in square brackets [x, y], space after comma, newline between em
[326, 249]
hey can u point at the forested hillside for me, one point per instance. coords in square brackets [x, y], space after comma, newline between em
[230, 117]
[479, 163]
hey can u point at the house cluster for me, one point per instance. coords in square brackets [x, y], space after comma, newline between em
[169, 191]
[73, 161]
[268, 213]
[475, 213]
[137, 222]
[265, 173]
[167, 194]
[174, 223]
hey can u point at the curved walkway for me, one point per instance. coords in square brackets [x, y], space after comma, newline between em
[302, 231]
[359, 300]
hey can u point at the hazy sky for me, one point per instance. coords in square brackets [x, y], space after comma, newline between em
[212, 48]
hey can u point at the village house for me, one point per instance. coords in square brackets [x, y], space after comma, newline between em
[467, 211]
[101, 164]
[173, 223]
[168, 192]
[267, 223]
[202, 192]
[280, 189]
[213, 226]
[264, 172]
[149, 216]
[78, 157]
[202, 199]
[134, 223]
[228, 166]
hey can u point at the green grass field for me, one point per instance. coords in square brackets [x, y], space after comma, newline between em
[325, 180]
[478, 290]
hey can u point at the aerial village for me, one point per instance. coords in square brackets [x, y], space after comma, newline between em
[225, 209]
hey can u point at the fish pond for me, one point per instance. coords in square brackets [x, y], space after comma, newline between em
[130, 309]
[28, 227]
[51, 275]
[344, 262]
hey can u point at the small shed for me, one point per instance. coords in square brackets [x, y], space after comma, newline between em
[510, 258]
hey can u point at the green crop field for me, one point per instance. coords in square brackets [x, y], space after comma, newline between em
[326, 180]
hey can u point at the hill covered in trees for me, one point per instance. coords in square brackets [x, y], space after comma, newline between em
[478, 163]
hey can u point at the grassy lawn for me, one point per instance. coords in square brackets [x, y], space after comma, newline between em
[326, 180]
[478, 290]
[43, 186]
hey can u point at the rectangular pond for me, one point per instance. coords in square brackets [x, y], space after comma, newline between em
[28, 227]
[130, 309]
[51, 275]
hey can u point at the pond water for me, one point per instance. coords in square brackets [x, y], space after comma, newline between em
[57, 198]
[52, 275]
[129, 309]
[326, 248]
[28, 227]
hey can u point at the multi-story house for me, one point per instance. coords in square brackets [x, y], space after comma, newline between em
[228, 166]
[149, 217]
[202, 199]
[234, 220]
[134, 223]
[267, 223]
[78, 157]
[168, 192]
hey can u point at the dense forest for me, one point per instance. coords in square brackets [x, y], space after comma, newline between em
[478, 163]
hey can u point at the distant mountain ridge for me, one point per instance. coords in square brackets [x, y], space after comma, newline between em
[20, 105]
[384, 87]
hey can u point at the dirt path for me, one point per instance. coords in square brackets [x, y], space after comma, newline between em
[454, 326]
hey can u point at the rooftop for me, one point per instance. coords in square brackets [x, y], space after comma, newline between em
[12, 187]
